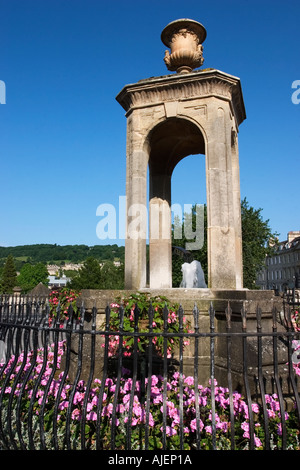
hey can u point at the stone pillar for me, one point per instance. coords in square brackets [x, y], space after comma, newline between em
[160, 242]
[223, 218]
[237, 208]
[136, 209]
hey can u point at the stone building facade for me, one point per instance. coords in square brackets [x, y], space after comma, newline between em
[282, 270]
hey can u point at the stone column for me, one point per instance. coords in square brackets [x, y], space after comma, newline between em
[160, 241]
[136, 209]
[221, 204]
[237, 209]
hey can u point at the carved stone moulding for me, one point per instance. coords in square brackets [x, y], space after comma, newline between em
[184, 37]
[184, 87]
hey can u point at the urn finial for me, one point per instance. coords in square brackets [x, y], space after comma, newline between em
[184, 37]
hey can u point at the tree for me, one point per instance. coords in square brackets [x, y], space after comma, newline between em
[92, 276]
[256, 236]
[258, 242]
[31, 275]
[89, 275]
[199, 255]
[9, 276]
[112, 277]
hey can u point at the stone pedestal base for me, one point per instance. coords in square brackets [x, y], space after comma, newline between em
[204, 298]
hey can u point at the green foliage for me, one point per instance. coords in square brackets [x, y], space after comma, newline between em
[60, 302]
[93, 276]
[31, 275]
[47, 253]
[9, 276]
[69, 273]
[112, 277]
[256, 236]
[89, 275]
[199, 255]
[143, 301]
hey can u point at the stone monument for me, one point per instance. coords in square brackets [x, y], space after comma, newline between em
[169, 118]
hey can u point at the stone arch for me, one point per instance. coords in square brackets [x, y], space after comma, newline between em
[168, 143]
[172, 140]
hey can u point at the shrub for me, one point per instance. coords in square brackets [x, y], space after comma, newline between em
[143, 301]
[60, 302]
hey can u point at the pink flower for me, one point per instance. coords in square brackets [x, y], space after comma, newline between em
[279, 429]
[137, 410]
[169, 431]
[189, 380]
[114, 305]
[92, 416]
[208, 429]
[151, 420]
[64, 404]
[255, 408]
[257, 442]
[107, 410]
[245, 426]
[76, 414]
[271, 414]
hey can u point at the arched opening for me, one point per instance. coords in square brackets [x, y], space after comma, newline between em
[168, 143]
[188, 187]
[172, 140]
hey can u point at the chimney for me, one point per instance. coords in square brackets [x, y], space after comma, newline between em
[293, 234]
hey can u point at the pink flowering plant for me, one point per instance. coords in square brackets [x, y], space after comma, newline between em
[57, 405]
[295, 323]
[143, 302]
[295, 319]
[60, 301]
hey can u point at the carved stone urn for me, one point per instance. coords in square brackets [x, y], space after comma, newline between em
[184, 37]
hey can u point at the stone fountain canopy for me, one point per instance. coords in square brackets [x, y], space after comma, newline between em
[168, 118]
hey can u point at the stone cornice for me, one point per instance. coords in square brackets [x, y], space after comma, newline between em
[211, 82]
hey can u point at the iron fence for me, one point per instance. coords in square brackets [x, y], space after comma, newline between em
[62, 387]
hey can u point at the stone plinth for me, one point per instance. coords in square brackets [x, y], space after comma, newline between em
[189, 297]
[203, 298]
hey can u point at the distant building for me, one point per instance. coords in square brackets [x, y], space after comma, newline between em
[56, 282]
[282, 270]
[53, 269]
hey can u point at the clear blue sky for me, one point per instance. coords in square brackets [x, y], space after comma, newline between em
[63, 134]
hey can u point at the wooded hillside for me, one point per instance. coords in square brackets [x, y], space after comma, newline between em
[47, 253]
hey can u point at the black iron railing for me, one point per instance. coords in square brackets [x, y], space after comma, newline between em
[61, 387]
